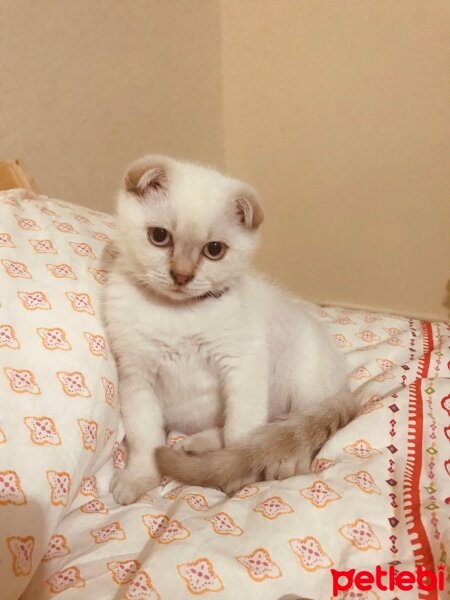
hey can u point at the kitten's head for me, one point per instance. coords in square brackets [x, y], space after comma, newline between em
[185, 231]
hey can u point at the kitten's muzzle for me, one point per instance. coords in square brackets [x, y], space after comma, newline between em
[181, 278]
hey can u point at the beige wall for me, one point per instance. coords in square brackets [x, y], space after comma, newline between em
[89, 85]
[338, 112]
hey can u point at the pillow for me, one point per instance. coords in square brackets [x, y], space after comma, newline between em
[58, 406]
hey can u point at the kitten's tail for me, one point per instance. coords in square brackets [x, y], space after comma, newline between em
[298, 436]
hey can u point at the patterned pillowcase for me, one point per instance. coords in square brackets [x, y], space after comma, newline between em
[58, 407]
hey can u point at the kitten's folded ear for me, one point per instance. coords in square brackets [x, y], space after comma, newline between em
[148, 174]
[249, 209]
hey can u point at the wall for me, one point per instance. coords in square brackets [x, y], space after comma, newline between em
[87, 86]
[339, 113]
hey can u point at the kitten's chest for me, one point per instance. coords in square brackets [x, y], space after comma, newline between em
[187, 385]
[180, 354]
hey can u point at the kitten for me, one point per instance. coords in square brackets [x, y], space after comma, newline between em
[207, 346]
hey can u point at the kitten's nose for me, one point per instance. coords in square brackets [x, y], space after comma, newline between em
[181, 270]
[181, 278]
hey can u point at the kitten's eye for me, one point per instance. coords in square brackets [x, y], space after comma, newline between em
[159, 236]
[215, 250]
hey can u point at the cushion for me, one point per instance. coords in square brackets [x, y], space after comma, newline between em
[58, 406]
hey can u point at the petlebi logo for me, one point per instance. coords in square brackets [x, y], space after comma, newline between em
[388, 579]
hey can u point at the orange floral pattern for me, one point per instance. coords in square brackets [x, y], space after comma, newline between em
[89, 486]
[197, 502]
[22, 381]
[96, 344]
[60, 482]
[319, 494]
[361, 535]
[89, 430]
[99, 275]
[223, 524]
[11, 489]
[34, 300]
[361, 449]
[81, 302]
[73, 384]
[113, 531]
[141, 588]
[310, 554]
[165, 530]
[21, 549]
[200, 577]
[62, 271]
[53, 338]
[260, 565]
[365, 482]
[43, 431]
[247, 492]
[57, 547]
[64, 580]
[6, 241]
[43, 246]
[274, 507]
[123, 571]
[8, 337]
[16, 269]
[95, 506]
[83, 249]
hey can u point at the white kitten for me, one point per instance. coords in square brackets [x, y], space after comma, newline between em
[205, 345]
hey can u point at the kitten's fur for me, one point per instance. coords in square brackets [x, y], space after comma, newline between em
[209, 347]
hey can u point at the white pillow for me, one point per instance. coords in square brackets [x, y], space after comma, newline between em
[58, 406]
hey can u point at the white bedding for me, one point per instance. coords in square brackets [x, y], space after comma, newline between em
[377, 496]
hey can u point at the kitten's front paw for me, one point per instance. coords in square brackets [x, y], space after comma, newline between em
[126, 487]
[200, 442]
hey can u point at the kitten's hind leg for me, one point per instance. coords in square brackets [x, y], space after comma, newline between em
[208, 439]
[236, 485]
[298, 464]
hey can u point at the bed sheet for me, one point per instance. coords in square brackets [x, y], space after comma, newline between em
[378, 496]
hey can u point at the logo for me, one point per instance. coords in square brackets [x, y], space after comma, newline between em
[390, 580]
